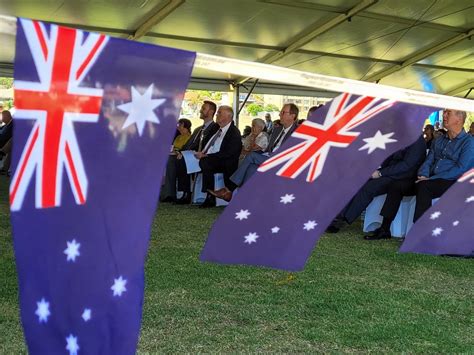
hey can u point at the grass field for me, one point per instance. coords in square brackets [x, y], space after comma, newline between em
[353, 296]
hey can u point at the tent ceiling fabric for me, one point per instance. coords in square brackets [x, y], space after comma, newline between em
[422, 45]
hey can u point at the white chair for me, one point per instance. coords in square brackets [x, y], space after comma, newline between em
[373, 219]
[199, 196]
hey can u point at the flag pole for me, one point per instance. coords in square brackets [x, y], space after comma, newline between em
[278, 74]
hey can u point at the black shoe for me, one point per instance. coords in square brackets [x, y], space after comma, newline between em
[210, 201]
[379, 234]
[333, 229]
[185, 199]
[168, 199]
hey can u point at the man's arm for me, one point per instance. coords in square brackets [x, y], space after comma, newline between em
[410, 161]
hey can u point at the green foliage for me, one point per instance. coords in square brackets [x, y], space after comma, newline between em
[6, 83]
[253, 109]
[353, 296]
[272, 108]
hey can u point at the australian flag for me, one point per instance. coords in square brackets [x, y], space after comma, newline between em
[447, 227]
[278, 215]
[94, 118]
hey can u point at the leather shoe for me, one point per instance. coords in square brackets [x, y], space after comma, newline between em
[168, 199]
[185, 199]
[223, 193]
[210, 201]
[379, 234]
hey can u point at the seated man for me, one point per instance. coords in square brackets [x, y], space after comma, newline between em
[196, 142]
[400, 166]
[6, 131]
[451, 155]
[221, 153]
[288, 119]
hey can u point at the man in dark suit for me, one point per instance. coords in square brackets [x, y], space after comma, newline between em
[288, 119]
[400, 166]
[221, 153]
[6, 132]
[196, 142]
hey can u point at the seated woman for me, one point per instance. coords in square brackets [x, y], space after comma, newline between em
[184, 129]
[168, 190]
[257, 140]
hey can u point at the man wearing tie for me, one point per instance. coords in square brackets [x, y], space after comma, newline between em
[221, 153]
[196, 142]
[288, 119]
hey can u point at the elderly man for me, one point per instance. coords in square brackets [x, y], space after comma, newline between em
[221, 153]
[196, 142]
[288, 119]
[451, 155]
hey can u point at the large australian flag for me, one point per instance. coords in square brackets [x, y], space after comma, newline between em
[94, 118]
[277, 217]
[448, 226]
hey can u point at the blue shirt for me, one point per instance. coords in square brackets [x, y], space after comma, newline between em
[449, 158]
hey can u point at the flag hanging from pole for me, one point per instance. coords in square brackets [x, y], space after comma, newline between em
[277, 217]
[448, 226]
[95, 117]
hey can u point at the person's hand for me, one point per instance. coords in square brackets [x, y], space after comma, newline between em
[200, 155]
[376, 174]
[179, 155]
[421, 178]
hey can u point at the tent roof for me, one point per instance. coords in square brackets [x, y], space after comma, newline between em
[423, 45]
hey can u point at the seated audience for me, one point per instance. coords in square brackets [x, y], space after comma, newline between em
[246, 132]
[220, 154]
[400, 166]
[257, 140]
[451, 155]
[428, 134]
[288, 118]
[6, 133]
[184, 128]
[268, 123]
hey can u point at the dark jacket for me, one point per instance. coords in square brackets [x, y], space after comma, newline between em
[231, 145]
[276, 132]
[6, 133]
[193, 141]
[404, 163]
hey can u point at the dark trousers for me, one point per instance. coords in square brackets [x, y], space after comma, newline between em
[364, 196]
[426, 191]
[169, 186]
[212, 165]
[395, 194]
[184, 179]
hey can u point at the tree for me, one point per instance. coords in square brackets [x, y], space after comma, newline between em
[253, 109]
[272, 108]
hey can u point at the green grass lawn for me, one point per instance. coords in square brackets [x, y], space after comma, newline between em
[353, 296]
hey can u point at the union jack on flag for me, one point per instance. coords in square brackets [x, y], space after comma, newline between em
[62, 58]
[341, 117]
[276, 219]
[88, 112]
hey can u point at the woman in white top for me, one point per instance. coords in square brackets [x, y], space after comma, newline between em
[257, 140]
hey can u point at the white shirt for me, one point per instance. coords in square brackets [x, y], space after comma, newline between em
[285, 131]
[216, 147]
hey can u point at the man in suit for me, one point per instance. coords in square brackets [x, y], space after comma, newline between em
[450, 156]
[6, 132]
[400, 166]
[221, 153]
[288, 119]
[196, 142]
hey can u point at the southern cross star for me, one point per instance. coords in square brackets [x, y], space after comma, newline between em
[437, 231]
[72, 250]
[275, 229]
[251, 238]
[455, 223]
[141, 109]
[377, 141]
[310, 225]
[287, 198]
[86, 315]
[119, 286]
[42, 310]
[72, 345]
[470, 199]
[242, 214]
[435, 215]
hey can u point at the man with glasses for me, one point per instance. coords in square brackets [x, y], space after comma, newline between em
[450, 156]
[288, 119]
